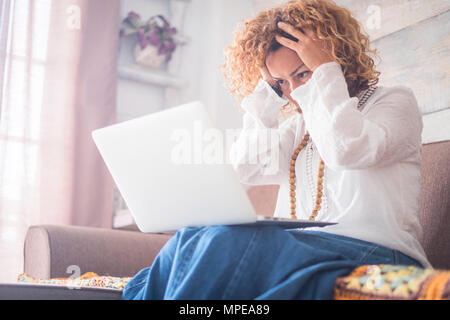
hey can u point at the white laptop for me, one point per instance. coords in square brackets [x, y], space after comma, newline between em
[157, 165]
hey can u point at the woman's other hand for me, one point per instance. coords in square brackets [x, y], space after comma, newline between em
[312, 51]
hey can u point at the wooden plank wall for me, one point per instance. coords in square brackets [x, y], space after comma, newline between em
[413, 40]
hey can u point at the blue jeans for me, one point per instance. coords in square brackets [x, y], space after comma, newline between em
[242, 262]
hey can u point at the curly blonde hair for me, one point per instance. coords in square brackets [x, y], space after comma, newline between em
[255, 39]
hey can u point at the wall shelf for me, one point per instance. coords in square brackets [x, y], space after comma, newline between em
[149, 76]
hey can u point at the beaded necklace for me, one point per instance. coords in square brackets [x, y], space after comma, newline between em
[292, 177]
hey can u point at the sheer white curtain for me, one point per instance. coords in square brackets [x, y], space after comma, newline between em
[58, 76]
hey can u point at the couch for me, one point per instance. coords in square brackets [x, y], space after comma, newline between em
[51, 251]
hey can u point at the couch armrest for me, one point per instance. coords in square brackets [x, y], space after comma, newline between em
[52, 251]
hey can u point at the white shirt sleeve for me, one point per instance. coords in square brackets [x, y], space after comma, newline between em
[260, 155]
[345, 138]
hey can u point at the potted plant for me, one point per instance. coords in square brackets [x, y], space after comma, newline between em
[155, 39]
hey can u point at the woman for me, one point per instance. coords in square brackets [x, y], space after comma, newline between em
[308, 62]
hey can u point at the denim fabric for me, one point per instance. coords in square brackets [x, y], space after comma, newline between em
[243, 262]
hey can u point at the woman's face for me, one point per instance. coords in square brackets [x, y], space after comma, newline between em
[287, 69]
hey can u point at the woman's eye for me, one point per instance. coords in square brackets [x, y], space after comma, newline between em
[300, 75]
[303, 74]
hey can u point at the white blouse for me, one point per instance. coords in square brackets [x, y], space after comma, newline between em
[372, 157]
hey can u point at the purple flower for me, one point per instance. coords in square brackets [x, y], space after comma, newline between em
[172, 31]
[142, 39]
[133, 20]
[162, 49]
[153, 38]
[171, 46]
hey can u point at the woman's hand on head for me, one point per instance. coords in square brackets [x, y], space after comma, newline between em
[311, 50]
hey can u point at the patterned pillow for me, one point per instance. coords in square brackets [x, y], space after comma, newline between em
[390, 282]
[89, 279]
